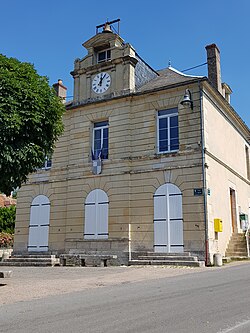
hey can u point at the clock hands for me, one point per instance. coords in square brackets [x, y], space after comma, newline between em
[101, 82]
[102, 77]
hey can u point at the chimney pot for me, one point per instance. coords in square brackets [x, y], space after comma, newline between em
[60, 89]
[214, 69]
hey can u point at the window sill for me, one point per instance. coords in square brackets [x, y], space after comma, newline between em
[167, 152]
[44, 168]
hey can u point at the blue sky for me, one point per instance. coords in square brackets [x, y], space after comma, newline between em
[50, 33]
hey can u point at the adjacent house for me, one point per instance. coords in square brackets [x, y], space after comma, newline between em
[150, 161]
[6, 201]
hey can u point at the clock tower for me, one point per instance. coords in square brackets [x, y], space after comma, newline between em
[108, 69]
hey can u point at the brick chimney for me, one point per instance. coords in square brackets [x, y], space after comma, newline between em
[61, 90]
[213, 64]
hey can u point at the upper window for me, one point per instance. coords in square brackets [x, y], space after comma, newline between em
[100, 140]
[103, 55]
[48, 162]
[247, 162]
[168, 131]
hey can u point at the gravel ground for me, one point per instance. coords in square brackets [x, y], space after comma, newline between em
[37, 282]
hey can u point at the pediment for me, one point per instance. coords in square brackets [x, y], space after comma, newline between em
[103, 38]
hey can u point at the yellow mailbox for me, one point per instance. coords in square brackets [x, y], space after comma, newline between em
[217, 225]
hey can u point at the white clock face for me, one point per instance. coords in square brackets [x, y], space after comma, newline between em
[101, 82]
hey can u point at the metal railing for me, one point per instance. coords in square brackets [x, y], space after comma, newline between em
[247, 241]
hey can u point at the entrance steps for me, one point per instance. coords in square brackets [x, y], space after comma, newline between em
[167, 259]
[39, 260]
[237, 246]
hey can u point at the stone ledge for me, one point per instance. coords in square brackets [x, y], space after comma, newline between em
[91, 260]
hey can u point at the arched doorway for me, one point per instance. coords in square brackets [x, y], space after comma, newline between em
[168, 219]
[39, 224]
[96, 215]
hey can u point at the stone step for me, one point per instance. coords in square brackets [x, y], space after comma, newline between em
[242, 242]
[238, 236]
[236, 248]
[238, 239]
[172, 254]
[14, 259]
[236, 254]
[34, 255]
[234, 258]
[231, 243]
[168, 257]
[239, 258]
[31, 260]
[167, 263]
[24, 264]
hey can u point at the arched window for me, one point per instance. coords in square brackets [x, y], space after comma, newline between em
[96, 215]
[39, 224]
[168, 219]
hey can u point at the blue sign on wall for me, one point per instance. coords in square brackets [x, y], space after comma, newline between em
[198, 191]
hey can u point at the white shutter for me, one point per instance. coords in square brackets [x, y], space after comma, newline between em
[33, 227]
[90, 216]
[168, 221]
[90, 221]
[39, 224]
[176, 223]
[44, 226]
[160, 225]
[102, 214]
[102, 220]
[96, 215]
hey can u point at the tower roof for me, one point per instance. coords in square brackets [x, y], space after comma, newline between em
[168, 76]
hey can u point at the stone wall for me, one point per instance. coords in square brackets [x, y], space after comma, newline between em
[130, 176]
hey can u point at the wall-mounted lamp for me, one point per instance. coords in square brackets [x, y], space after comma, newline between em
[187, 100]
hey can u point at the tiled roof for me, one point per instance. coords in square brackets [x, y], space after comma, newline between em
[6, 201]
[168, 76]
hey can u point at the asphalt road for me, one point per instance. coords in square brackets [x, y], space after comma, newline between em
[209, 301]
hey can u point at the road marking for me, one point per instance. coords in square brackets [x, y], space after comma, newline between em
[231, 329]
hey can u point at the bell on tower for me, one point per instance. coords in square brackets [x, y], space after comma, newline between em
[107, 28]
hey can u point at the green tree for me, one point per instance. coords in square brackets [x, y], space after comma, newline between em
[7, 219]
[30, 121]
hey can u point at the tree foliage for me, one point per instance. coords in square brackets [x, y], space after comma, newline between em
[7, 219]
[30, 121]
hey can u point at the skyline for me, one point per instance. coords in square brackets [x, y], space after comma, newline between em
[50, 35]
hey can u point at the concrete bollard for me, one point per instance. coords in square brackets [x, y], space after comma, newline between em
[5, 274]
[218, 259]
[6, 255]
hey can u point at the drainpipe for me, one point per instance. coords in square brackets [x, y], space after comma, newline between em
[129, 243]
[247, 241]
[204, 177]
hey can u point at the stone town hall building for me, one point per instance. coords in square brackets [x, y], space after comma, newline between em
[148, 161]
